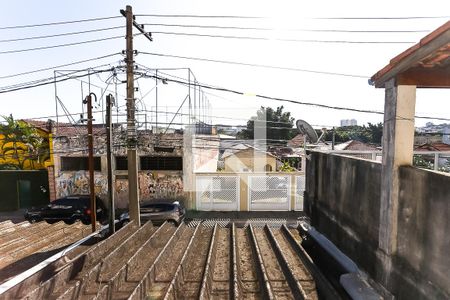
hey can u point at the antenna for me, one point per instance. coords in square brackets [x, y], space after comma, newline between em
[306, 129]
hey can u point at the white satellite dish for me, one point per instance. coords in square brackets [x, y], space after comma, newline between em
[306, 129]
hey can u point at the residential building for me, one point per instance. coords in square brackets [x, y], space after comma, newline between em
[349, 122]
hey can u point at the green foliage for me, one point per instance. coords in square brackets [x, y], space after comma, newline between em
[286, 167]
[278, 125]
[367, 134]
[21, 143]
[420, 162]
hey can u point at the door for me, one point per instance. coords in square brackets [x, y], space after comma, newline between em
[24, 193]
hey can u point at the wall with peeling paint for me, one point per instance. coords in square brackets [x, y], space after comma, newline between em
[152, 184]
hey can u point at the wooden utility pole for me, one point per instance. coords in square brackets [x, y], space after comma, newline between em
[88, 101]
[133, 191]
[109, 104]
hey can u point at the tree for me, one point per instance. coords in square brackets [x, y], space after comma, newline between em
[371, 134]
[278, 125]
[21, 145]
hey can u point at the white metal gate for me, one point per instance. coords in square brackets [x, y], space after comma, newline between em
[299, 190]
[217, 193]
[269, 192]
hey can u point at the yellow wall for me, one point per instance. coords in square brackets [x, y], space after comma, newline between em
[253, 161]
[10, 158]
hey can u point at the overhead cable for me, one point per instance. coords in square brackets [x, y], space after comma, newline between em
[59, 34]
[254, 65]
[58, 66]
[290, 100]
[59, 23]
[281, 40]
[283, 29]
[62, 45]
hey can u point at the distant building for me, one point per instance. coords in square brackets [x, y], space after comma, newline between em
[446, 135]
[349, 122]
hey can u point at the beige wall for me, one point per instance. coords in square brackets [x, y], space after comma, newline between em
[249, 160]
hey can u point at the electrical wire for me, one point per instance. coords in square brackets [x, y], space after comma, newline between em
[279, 39]
[52, 82]
[58, 66]
[382, 18]
[198, 16]
[291, 100]
[62, 45]
[283, 29]
[59, 23]
[60, 34]
[263, 17]
[254, 65]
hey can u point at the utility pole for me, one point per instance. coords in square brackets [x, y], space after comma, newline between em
[109, 103]
[133, 191]
[88, 101]
[333, 138]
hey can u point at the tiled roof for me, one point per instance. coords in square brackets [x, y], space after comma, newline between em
[432, 53]
[433, 147]
[354, 145]
[297, 141]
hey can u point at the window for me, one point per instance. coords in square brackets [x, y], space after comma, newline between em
[121, 163]
[79, 163]
[268, 168]
[161, 163]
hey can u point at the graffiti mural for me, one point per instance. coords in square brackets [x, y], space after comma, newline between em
[152, 185]
[71, 183]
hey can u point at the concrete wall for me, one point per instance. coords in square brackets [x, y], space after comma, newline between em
[342, 198]
[152, 185]
[422, 263]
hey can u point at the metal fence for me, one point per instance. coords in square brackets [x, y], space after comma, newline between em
[269, 192]
[249, 191]
[217, 193]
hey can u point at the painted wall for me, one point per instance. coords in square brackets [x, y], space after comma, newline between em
[152, 185]
[20, 155]
[250, 160]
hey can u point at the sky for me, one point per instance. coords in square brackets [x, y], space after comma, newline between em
[281, 20]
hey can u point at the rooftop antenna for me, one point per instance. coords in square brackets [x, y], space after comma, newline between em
[306, 129]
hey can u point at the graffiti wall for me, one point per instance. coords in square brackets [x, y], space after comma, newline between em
[152, 185]
[77, 182]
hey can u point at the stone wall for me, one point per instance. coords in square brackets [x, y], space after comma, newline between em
[342, 198]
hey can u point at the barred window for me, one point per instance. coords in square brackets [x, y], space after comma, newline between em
[79, 163]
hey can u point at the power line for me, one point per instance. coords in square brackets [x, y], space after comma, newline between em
[291, 100]
[199, 16]
[382, 18]
[58, 66]
[61, 45]
[262, 17]
[281, 40]
[47, 79]
[254, 65]
[59, 23]
[53, 81]
[60, 34]
[283, 29]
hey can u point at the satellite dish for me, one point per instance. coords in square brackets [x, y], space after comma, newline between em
[307, 130]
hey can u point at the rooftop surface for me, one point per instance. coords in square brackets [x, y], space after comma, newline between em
[186, 262]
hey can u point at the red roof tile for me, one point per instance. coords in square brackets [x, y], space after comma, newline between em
[394, 62]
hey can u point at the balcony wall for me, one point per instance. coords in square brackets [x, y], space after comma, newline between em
[342, 198]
